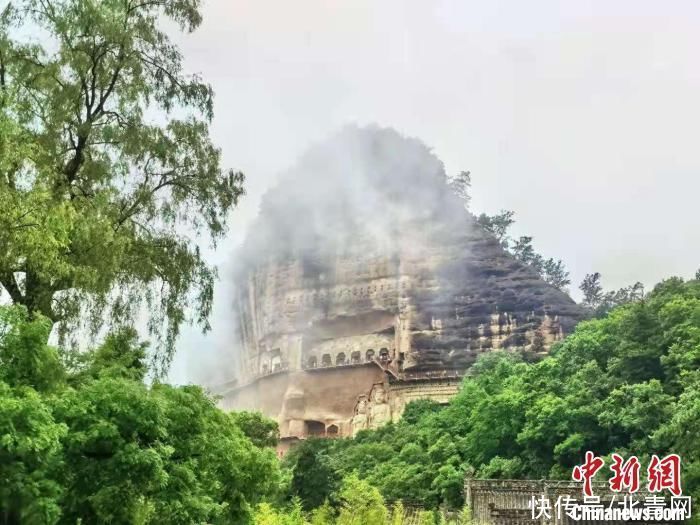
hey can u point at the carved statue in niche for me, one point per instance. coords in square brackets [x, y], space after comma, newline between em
[359, 420]
[379, 411]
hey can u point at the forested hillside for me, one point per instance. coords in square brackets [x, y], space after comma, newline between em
[110, 186]
[85, 438]
[627, 383]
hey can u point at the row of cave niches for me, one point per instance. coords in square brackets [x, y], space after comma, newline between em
[342, 359]
[319, 429]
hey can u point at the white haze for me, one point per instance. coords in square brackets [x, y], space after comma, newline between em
[581, 117]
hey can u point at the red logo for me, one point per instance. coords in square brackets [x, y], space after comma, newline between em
[665, 474]
[662, 473]
[586, 471]
[626, 474]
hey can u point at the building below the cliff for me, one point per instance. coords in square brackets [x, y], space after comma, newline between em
[365, 284]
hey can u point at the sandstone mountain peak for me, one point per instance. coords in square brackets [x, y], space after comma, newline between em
[365, 283]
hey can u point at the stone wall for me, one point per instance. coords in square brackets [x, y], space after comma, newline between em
[505, 502]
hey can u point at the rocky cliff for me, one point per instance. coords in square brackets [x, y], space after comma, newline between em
[362, 256]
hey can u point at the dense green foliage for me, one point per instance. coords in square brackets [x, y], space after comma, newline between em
[107, 171]
[107, 179]
[626, 383]
[84, 439]
[359, 503]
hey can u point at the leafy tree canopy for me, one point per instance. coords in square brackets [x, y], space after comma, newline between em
[84, 440]
[359, 504]
[262, 431]
[600, 302]
[107, 171]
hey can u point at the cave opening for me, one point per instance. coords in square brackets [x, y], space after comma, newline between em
[315, 428]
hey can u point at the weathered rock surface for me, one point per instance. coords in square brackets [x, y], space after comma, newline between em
[364, 263]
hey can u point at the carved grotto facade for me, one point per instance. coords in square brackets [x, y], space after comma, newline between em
[365, 284]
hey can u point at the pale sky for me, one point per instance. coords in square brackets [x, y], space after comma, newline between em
[582, 117]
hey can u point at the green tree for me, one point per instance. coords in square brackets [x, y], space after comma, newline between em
[426, 517]
[361, 504]
[418, 409]
[551, 271]
[25, 357]
[166, 455]
[322, 515]
[262, 431]
[266, 514]
[465, 516]
[95, 444]
[498, 225]
[107, 171]
[461, 186]
[555, 273]
[523, 251]
[30, 448]
[314, 479]
[449, 482]
[600, 302]
[592, 290]
[681, 433]
[115, 427]
[121, 355]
